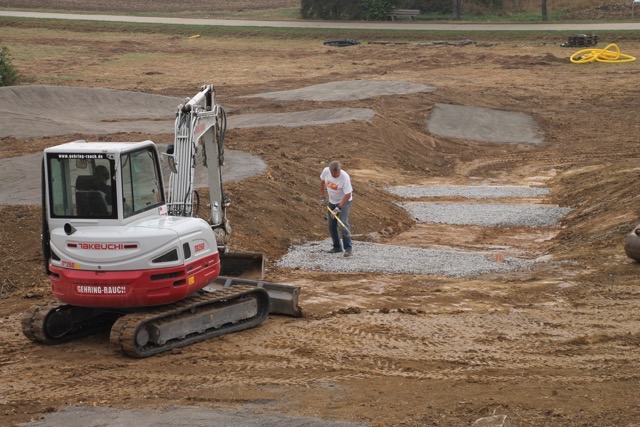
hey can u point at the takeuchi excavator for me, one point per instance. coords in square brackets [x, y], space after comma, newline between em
[122, 252]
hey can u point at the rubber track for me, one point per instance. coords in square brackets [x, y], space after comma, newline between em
[124, 331]
[35, 318]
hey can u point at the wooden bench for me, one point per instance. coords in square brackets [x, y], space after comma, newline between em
[397, 13]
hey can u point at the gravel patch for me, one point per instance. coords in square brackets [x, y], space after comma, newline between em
[90, 111]
[346, 91]
[301, 118]
[177, 417]
[488, 215]
[379, 258]
[468, 192]
[35, 111]
[484, 124]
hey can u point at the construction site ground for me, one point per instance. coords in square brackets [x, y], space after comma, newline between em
[556, 344]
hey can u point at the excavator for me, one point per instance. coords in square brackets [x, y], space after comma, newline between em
[124, 253]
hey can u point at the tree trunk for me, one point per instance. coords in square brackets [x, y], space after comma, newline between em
[456, 9]
[545, 16]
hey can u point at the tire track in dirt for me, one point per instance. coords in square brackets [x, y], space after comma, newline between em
[340, 348]
[541, 159]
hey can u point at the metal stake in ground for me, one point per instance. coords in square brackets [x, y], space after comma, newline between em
[339, 222]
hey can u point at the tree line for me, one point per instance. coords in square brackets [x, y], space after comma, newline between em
[379, 10]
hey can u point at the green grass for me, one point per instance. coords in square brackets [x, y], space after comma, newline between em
[520, 18]
[265, 15]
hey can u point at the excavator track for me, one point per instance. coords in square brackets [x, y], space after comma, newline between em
[194, 319]
[56, 323]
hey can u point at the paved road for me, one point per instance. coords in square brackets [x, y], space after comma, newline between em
[629, 26]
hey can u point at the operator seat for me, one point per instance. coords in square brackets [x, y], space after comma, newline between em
[90, 202]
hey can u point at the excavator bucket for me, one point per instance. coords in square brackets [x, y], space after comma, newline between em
[248, 265]
[247, 268]
[283, 299]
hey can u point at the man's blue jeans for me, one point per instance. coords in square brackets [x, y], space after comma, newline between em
[334, 226]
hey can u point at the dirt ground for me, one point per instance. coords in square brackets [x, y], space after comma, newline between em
[554, 346]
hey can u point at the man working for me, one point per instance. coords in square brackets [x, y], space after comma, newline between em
[336, 183]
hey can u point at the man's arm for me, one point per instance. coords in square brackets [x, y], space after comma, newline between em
[344, 200]
[322, 188]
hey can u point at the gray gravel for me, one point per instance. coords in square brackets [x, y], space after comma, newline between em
[346, 91]
[35, 111]
[484, 124]
[488, 215]
[177, 417]
[379, 258]
[90, 111]
[469, 192]
[301, 118]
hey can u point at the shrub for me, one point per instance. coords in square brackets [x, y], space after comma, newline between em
[8, 74]
[346, 9]
[321, 9]
[427, 6]
[377, 10]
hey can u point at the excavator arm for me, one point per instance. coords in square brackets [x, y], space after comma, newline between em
[201, 124]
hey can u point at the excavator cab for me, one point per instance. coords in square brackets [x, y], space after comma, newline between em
[105, 181]
[107, 237]
[78, 187]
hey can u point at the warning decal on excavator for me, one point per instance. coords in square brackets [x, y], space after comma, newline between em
[69, 264]
[101, 290]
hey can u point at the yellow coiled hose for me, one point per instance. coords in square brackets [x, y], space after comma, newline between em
[610, 53]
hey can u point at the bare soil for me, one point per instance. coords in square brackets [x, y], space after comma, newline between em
[553, 346]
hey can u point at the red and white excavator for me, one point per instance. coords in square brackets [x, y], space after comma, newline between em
[123, 252]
